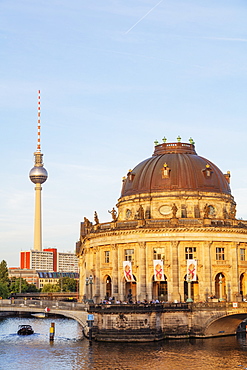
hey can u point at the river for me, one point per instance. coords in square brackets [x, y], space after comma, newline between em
[71, 351]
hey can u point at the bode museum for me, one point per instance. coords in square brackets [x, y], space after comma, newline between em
[173, 236]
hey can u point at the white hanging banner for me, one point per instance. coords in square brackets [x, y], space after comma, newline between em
[158, 270]
[127, 271]
[191, 270]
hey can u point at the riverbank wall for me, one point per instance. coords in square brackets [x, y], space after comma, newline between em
[153, 322]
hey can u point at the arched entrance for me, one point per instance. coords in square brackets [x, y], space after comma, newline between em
[220, 286]
[159, 290]
[130, 290]
[194, 289]
[243, 285]
[108, 287]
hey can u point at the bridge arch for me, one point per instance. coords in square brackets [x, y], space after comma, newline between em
[225, 325]
[79, 315]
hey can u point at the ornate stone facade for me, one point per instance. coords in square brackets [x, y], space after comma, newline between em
[175, 206]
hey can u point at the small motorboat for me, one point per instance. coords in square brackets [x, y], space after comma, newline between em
[25, 330]
[40, 315]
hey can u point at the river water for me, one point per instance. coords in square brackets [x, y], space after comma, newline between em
[71, 351]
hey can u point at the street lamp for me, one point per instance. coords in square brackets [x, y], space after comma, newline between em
[20, 283]
[91, 289]
[87, 288]
[189, 299]
[61, 287]
[221, 292]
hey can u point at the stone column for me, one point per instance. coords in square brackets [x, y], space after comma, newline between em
[149, 282]
[98, 286]
[142, 272]
[175, 283]
[82, 282]
[120, 273]
[233, 291]
[206, 287]
[115, 281]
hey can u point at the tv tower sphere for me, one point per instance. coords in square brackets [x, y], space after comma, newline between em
[38, 174]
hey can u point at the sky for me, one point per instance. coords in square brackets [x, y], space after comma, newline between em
[115, 76]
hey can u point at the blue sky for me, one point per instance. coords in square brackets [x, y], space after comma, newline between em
[114, 76]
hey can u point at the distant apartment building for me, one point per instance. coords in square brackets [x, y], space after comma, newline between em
[49, 260]
[67, 262]
[30, 275]
[40, 278]
[36, 260]
[45, 277]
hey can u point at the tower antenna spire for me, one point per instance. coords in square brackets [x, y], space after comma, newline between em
[38, 175]
[39, 122]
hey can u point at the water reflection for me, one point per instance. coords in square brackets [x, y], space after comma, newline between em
[71, 351]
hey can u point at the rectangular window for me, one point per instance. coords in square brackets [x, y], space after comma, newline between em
[129, 255]
[107, 256]
[190, 253]
[242, 254]
[220, 254]
[158, 254]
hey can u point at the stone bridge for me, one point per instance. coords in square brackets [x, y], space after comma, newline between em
[143, 322]
[72, 310]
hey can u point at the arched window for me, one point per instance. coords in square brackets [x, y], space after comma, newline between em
[194, 289]
[130, 290]
[220, 286]
[108, 287]
[159, 291]
[243, 285]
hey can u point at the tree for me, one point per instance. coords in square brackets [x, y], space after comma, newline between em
[47, 288]
[67, 284]
[20, 285]
[31, 288]
[4, 273]
[4, 290]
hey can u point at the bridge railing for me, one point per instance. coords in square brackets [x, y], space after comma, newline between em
[217, 305]
[139, 307]
[42, 304]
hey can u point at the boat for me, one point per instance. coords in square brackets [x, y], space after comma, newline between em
[25, 330]
[40, 315]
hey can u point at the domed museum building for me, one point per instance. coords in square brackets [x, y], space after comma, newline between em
[173, 237]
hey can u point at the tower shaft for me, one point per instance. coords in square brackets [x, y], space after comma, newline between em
[38, 219]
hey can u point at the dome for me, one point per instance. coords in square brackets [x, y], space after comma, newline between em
[175, 167]
[38, 175]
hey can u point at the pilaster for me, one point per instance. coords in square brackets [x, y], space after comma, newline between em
[175, 286]
[142, 272]
[115, 269]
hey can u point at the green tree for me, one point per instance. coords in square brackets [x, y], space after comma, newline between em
[19, 285]
[47, 288]
[4, 273]
[31, 288]
[67, 284]
[4, 290]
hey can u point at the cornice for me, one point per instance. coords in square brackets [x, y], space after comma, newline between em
[175, 230]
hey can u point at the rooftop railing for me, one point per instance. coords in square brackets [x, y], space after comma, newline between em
[166, 223]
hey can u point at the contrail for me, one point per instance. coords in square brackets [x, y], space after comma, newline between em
[131, 28]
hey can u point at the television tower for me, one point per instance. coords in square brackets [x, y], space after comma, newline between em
[38, 175]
